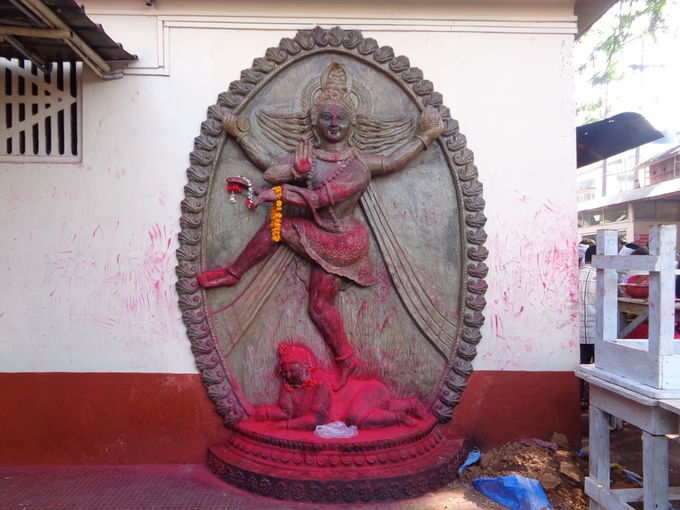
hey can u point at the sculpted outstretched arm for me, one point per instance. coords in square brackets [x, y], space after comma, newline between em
[430, 127]
[239, 129]
[329, 194]
[280, 172]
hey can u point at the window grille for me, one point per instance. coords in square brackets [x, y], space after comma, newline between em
[40, 112]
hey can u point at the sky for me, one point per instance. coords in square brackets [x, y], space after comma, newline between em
[653, 92]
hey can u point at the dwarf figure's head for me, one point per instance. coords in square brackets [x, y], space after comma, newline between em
[297, 365]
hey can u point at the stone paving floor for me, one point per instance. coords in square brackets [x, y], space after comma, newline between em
[175, 487]
[193, 487]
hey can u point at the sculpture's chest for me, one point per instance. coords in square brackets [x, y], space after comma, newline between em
[349, 172]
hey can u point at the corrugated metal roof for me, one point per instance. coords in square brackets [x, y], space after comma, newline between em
[58, 30]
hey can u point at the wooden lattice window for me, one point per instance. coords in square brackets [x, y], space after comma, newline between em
[40, 111]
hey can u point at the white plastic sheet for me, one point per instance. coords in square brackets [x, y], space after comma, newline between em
[336, 430]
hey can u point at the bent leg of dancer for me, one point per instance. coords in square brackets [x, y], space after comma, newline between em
[257, 249]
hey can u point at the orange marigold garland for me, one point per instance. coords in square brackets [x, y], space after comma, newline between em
[277, 214]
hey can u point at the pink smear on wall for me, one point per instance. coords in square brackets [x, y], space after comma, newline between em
[144, 279]
[118, 283]
[533, 280]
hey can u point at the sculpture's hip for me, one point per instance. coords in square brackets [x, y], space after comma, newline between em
[341, 253]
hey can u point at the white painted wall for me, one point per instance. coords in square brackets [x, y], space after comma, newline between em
[88, 249]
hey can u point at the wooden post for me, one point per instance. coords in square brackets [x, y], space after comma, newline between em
[655, 471]
[599, 451]
[662, 293]
[606, 324]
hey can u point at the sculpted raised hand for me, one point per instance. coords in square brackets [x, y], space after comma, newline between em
[430, 126]
[236, 126]
[303, 158]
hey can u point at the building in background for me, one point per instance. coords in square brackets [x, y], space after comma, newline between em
[638, 194]
[95, 364]
[664, 167]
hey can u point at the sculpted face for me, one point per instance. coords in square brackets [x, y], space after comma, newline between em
[333, 123]
[294, 373]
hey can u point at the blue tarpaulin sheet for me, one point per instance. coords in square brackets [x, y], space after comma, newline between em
[514, 491]
[472, 458]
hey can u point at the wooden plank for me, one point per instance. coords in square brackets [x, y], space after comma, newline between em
[606, 324]
[672, 405]
[627, 361]
[43, 33]
[634, 495]
[642, 317]
[629, 495]
[593, 377]
[618, 383]
[599, 446]
[627, 263]
[652, 419]
[670, 371]
[598, 455]
[640, 344]
[632, 305]
[662, 294]
[603, 497]
[655, 471]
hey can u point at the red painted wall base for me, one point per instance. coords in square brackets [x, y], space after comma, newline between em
[123, 418]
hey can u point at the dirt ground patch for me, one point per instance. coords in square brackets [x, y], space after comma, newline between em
[560, 471]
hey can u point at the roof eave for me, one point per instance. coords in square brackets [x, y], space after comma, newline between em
[46, 25]
[588, 12]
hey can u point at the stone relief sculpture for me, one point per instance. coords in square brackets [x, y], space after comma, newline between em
[325, 178]
[351, 280]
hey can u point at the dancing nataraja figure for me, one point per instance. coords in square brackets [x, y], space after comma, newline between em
[326, 175]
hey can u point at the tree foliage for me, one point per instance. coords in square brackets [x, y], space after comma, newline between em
[632, 19]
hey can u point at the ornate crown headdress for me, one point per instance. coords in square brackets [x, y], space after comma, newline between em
[335, 89]
[375, 135]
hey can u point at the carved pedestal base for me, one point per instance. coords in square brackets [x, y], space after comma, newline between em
[377, 465]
